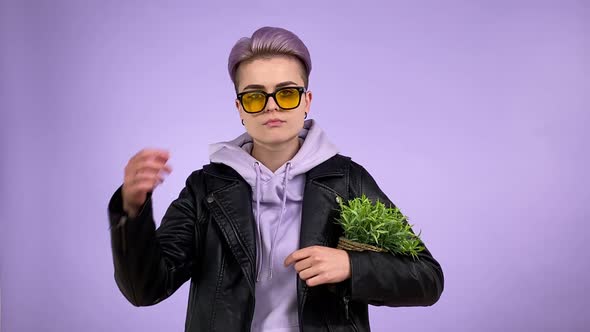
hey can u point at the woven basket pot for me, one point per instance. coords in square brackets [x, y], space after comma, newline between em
[346, 244]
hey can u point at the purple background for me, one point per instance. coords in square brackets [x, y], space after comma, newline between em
[471, 115]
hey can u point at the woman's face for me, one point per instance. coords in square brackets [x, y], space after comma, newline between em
[268, 75]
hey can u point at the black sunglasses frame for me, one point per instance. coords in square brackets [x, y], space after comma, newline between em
[299, 89]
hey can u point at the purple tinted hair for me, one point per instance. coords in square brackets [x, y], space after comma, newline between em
[266, 42]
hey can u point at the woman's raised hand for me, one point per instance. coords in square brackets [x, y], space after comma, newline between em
[143, 173]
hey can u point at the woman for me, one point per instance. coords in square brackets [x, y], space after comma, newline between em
[254, 230]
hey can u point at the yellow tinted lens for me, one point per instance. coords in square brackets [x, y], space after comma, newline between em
[253, 101]
[288, 98]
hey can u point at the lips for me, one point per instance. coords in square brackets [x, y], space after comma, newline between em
[273, 122]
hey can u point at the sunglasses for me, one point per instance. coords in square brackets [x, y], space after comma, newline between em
[287, 98]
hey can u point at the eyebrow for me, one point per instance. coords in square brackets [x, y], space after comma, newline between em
[262, 87]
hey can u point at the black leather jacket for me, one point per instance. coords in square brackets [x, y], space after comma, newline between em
[208, 233]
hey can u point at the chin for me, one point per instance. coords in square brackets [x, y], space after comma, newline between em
[276, 137]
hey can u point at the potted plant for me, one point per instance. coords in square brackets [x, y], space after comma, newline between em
[376, 227]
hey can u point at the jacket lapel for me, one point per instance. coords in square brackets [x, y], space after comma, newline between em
[324, 184]
[229, 199]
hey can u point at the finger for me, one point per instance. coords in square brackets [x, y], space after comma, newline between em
[154, 178]
[167, 169]
[303, 264]
[317, 280]
[149, 175]
[153, 166]
[134, 166]
[301, 254]
[289, 260]
[140, 174]
[310, 272]
[151, 153]
[150, 156]
[297, 255]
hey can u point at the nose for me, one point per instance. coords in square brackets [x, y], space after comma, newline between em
[271, 105]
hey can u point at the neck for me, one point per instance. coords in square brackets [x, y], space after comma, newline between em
[275, 155]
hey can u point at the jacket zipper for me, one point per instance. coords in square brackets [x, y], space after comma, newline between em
[346, 300]
[122, 223]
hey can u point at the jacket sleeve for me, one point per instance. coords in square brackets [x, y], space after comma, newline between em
[385, 279]
[152, 264]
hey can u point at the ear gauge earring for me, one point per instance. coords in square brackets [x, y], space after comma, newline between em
[305, 117]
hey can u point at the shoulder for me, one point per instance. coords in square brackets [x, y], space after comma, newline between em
[214, 169]
[212, 177]
[354, 168]
[340, 163]
[362, 182]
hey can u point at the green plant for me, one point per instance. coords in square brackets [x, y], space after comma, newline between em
[378, 225]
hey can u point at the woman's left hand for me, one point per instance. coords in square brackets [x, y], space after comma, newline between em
[318, 265]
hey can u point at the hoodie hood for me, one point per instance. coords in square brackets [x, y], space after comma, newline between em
[315, 148]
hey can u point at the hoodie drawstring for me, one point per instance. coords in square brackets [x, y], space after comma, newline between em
[259, 242]
[283, 208]
[258, 221]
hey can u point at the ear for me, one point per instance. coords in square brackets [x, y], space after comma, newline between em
[238, 107]
[308, 98]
